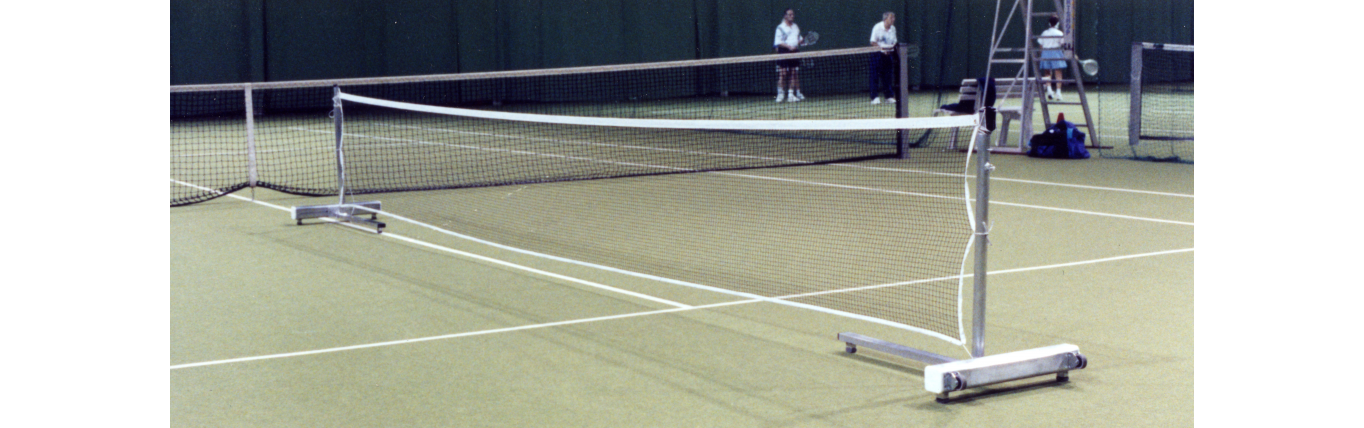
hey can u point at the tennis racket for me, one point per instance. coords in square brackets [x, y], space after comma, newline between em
[809, 38]
[1090, 67]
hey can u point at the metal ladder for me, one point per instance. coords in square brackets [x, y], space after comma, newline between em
[1030, 72]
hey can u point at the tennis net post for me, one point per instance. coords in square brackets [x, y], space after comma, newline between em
[902, 53]
[341, 211]
[945, 375]
[251, 173]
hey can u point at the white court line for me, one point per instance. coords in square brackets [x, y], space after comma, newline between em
[756, 297]
[639, 314]
[925, 195]
[1081, 186]
[1018, 180]
[955, 341]
[486, 259]
[448, 336]
[1094, 213]
[246, 152]
[536, 271]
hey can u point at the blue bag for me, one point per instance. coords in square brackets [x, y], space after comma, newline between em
[1061, 141]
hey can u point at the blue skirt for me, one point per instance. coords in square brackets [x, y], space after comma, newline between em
[1052, 65]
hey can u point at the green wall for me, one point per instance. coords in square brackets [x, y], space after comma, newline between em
[224, 41]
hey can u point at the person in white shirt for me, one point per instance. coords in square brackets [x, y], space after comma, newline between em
[1051, 65]
[788, 40]
[884, 63]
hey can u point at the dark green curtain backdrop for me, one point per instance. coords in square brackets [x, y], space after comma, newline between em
[228, 41]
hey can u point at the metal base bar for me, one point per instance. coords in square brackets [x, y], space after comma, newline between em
[977, 372]
[372, 221]
[854, 340]
[1008, 151]
[343, 212]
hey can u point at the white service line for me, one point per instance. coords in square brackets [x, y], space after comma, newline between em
[1093, 213]
[1081, 186]
[1019, 180]
[536, 271]
[1090, 262]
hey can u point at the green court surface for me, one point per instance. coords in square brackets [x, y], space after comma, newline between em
[276, 324]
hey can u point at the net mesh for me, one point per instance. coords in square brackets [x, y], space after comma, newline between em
[719, 212]
[208, 151]
[296, 159]
[1167, 100]
[1158, 119]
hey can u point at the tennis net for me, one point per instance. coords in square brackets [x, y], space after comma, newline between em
[830, 202]
[229, 137]
[1161, 126]
[864, 227]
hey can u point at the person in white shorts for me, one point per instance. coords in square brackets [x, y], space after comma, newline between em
[787, 40]
[883, 63]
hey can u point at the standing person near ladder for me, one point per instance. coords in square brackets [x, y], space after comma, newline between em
[1052, 56]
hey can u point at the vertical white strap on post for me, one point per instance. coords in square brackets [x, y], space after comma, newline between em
[250, 142]
[339, 122]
